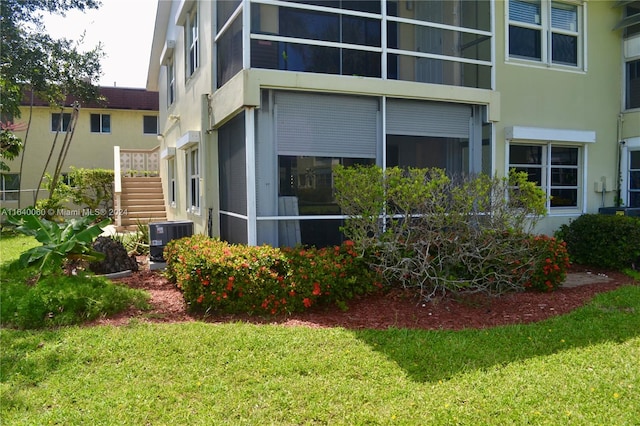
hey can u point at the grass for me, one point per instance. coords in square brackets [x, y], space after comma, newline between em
[56, 299]
[580, 368]
[577, 369]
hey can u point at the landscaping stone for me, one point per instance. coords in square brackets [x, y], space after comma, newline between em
[116, 257]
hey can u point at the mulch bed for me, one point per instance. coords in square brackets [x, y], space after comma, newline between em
[380, 311]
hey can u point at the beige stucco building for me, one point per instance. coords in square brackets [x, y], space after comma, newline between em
[260, 99]
[128, 118]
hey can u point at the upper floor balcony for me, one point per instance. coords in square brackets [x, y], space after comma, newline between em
[447, 42]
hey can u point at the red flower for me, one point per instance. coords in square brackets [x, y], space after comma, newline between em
[316, 289]
[348, 243]
[307, 302]
[200, 298]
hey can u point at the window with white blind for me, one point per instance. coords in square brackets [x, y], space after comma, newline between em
[547, 32]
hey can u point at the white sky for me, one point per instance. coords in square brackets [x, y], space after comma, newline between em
[125, 28]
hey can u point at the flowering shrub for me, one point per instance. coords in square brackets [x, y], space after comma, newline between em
[549, 265]
[222, 277]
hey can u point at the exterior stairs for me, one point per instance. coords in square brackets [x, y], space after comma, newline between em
[141, 202]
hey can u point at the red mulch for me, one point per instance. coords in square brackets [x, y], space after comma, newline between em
[393, 309]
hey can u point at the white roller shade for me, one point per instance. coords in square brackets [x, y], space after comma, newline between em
[420, 118]
[326, 125]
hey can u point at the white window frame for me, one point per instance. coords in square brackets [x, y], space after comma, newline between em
[146, 117]
[631, 54]
[171, 82]
[192, 159]
[546, 34]
[9, 194]
[61, 116]
[548, 138]
[546, 171]
[632, 144]
[171, 179]
[102, 131]
[192, 48]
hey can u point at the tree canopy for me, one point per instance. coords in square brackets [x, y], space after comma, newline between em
[33, 62]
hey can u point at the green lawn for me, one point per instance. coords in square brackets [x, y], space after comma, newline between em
[582, 369]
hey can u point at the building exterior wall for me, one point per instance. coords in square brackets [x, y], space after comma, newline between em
[521, 101]
[87, 149]
[585, 99]
[187, 113]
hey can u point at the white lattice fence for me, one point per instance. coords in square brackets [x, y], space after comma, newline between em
[139, 162]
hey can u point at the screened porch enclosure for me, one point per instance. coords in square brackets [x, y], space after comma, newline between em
[436, 41]
[300, 137]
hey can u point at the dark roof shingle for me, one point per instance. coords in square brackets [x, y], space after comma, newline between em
[115, 98]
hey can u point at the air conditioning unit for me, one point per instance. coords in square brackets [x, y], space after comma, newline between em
[160, 233]
[620, 211]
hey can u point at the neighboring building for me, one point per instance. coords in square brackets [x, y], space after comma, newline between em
[127, 118]
[260, 99]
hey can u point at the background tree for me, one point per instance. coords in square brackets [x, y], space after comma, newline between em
[33, 64]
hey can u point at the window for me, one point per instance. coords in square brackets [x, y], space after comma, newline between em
[632, 13]
[632, 84]
[9, 187]
[171, 180]
[193, 181]
[60, 122]
[193, 59]
[546, 32]
[171, 83]
[100, 123]
[150, 124]
[634, 179]
[556, 169]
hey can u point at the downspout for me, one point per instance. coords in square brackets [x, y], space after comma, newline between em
[618, 200]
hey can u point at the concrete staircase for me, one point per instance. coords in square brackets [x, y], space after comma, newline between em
[141, 201]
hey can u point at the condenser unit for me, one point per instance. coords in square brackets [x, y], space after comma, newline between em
[620, 211]
[160, 233]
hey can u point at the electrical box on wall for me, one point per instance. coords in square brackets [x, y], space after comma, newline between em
[605, 184]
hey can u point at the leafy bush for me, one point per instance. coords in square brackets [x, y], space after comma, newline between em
[218, 276]
[434, 233]
[63, 245]
[58, 300]
[92, 189]
[606, 241]
[57, 200]
[89, 189]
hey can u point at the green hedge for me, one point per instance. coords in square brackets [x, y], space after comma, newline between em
[606, 241]
[217, 276]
